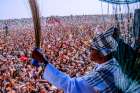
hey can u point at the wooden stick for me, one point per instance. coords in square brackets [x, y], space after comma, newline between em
[36, 21]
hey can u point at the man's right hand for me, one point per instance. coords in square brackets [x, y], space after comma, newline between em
[37, 55]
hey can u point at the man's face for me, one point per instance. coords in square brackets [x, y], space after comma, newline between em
[95, 55]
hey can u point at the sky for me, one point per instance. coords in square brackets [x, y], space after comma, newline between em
[11, 9]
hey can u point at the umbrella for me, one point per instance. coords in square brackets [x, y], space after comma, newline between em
[121, 1]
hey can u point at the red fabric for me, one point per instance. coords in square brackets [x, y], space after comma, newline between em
[23, 58]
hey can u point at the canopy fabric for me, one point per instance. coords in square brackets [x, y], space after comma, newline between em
[120, 1]
[136, 28]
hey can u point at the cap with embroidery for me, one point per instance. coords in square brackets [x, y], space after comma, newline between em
[104, 42]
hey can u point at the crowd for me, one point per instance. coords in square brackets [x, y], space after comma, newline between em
[65, 45]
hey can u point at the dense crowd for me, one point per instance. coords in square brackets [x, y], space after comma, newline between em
[65, 45]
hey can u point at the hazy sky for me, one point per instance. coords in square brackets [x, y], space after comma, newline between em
[20, 8]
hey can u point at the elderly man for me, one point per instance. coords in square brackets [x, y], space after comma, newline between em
[106, 77]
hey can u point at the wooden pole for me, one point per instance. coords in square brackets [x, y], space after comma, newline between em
[36, 21]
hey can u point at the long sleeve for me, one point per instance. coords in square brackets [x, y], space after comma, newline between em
[63, 81]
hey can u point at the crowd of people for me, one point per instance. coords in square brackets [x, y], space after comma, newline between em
[65, 45]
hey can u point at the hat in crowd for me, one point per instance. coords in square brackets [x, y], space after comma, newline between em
[104, 42]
